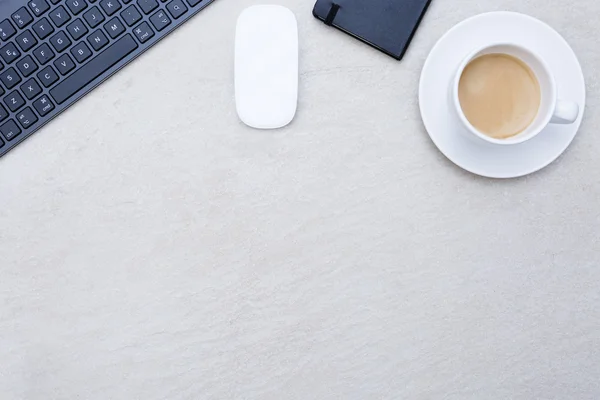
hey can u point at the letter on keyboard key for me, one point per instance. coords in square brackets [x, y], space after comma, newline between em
[59, 16]
[9, 53]
[26, 40]
[64, 64]
[114, 27]
[81, 52]
[94, 68]
[43, 54]
[98, 40]
[110, 6]
[14, 101]
[31, 88]
[47, 76]
[93, 17]
[42, 28]
[60, 41]
[26, 66]
[76, 6]
[77, 29]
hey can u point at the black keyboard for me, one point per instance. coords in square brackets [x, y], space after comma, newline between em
[53, 52]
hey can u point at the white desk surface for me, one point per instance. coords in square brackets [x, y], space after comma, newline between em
[152, 247]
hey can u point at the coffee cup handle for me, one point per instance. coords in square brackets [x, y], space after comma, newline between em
[565, 112]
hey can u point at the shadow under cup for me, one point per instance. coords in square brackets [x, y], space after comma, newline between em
[547, 92]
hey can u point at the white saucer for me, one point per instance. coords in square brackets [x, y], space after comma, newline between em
[473, 154]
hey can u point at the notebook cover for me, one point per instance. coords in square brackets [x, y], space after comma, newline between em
[387, 25]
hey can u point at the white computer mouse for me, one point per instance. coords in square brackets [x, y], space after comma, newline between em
[266, 66]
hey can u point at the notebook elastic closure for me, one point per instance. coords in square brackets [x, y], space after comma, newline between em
[331, 14]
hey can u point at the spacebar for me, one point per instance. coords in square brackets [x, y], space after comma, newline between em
[96, 67]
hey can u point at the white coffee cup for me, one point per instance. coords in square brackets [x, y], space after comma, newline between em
[552, 110]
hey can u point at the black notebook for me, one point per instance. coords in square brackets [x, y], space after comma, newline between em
[387, 25]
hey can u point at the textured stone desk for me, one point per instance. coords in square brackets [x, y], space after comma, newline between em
[152, 247]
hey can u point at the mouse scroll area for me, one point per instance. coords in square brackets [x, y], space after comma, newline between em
[266, 66]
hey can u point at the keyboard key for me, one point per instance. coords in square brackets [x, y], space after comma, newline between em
[26, 66]
[143, 32]
[10, 78]
[131, 15]
[10, 130]
[42, 28]
[160, 20]
[38, 7]
[26, 40]
[147, 6]
[77, 29]
[110, 6]
[47, 76]
[1, 90]
[3, 113]
[81, 52]
[125, 1]
[43, 54]
[192, 3]
[97, 66]
[43, 105]
[60, 41]
[6, 30]
[22, 18]
[114, 27]
[54, 1]
[9, 53]
[31, 88]
[93, 17]
[26, 118]
[14, 101]
[59, 16]
[64, 64]
[97, 40]
[76, 6]
[176, 8]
